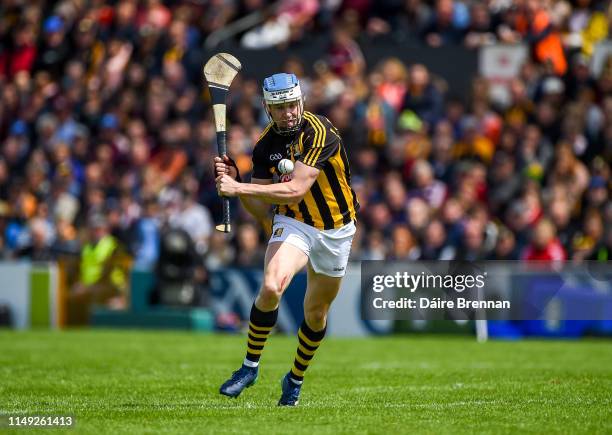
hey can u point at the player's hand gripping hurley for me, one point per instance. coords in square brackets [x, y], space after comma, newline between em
[219, 72]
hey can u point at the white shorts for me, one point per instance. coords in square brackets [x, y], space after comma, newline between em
[328, 250]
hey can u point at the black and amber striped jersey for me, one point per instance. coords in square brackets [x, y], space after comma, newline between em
[330, 202]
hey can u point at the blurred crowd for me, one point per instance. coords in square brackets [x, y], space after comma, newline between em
[106, 131]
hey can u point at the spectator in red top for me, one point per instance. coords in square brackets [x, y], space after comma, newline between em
[344, 55]
[22, 55]
[544, 244]
[393, 87]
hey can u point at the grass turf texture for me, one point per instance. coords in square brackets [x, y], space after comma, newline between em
[167, 382]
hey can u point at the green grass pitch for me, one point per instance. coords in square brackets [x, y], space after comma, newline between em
[167, 382]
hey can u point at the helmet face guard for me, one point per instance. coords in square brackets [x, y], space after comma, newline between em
[282, 89]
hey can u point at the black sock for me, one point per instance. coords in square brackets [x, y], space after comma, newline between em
[261, 324]
[308, 343]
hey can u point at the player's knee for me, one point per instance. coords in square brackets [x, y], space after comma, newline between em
[316, 317]
[271, 291]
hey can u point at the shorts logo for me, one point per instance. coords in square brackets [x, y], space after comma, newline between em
[276, 156]
[278, 232]
[338, 269]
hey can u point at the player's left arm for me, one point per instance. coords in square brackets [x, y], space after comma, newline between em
[290, 192]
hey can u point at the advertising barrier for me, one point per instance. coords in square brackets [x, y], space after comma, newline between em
[30, 292]
[515, 300]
